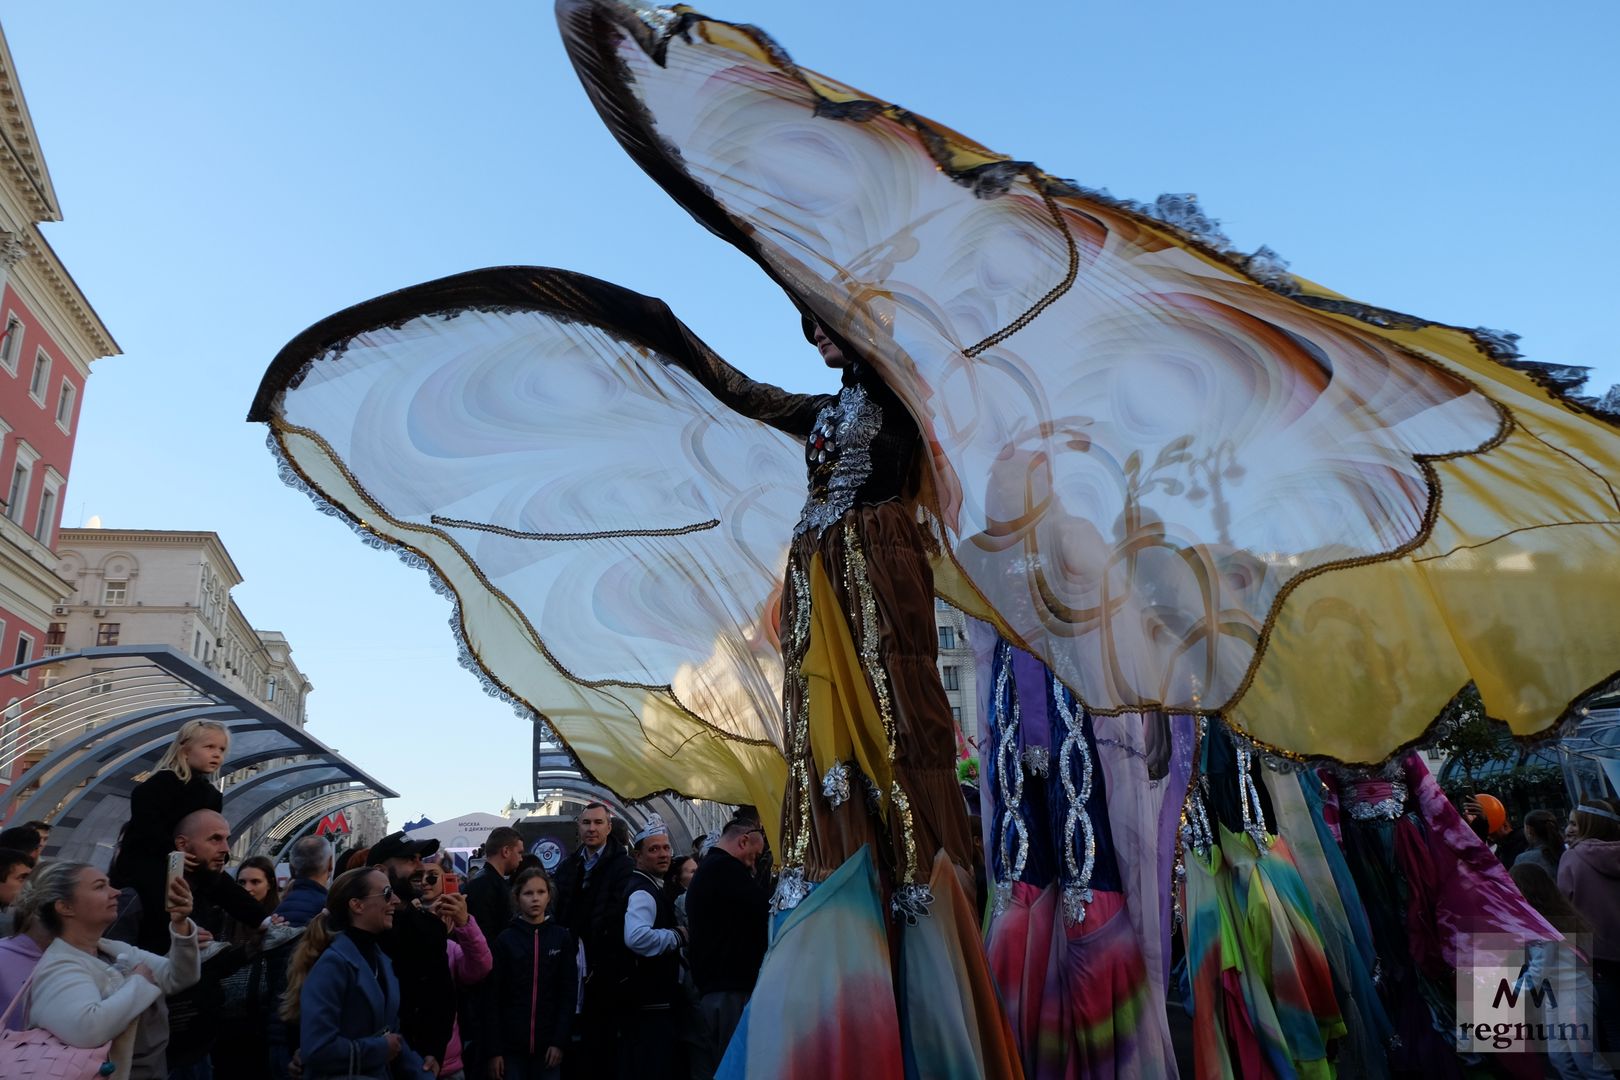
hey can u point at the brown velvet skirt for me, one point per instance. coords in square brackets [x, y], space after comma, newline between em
[875, 560]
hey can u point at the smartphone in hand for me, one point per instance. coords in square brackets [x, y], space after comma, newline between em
[452, 883]
[177, 869]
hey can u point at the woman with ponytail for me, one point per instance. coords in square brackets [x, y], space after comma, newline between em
[1546, 842]
[341, 990]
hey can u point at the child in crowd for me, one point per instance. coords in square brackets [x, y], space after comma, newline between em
[537, 985]
[182, 782]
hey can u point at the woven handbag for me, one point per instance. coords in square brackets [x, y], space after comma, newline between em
[36, 1054]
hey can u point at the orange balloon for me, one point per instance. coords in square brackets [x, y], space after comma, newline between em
[1495, 812]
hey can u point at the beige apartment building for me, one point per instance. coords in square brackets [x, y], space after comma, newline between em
[173, 587]
[162, 587]
[956, 669]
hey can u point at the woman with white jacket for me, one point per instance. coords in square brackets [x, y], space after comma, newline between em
[88, 991]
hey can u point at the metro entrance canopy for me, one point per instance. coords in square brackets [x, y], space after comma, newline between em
[84, 740]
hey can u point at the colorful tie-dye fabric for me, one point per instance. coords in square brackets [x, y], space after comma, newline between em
[1065, 951]
[824, 1006]
[1343, 924]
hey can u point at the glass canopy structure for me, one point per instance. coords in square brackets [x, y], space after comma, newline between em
[71, 753]
[562, 788]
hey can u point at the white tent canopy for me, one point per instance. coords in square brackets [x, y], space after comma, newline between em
[462, 831]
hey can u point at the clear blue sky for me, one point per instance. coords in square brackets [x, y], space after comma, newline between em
[230, 173]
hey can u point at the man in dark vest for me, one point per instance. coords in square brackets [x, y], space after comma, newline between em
[649, 984]
[590, 886]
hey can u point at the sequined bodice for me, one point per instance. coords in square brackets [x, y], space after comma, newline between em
[858, 452]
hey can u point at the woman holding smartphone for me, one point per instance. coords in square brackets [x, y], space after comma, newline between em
[89, 991]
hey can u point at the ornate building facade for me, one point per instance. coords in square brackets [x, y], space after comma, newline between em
[49, 337]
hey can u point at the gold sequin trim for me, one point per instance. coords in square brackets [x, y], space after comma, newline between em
[860, 587]
[606, 534]
[902, 806]
[797, 720]
[1057, 291]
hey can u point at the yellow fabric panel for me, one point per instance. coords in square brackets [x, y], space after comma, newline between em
[1516, 588]
[844, 720]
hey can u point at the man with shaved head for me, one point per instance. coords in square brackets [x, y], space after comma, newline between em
[204, 837]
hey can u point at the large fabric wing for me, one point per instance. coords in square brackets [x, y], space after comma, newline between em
[1180, 476]
[612, 537]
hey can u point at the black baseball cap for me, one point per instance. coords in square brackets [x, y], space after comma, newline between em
[396, 846]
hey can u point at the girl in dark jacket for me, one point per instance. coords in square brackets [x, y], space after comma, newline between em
[537, 985]
[182, 782]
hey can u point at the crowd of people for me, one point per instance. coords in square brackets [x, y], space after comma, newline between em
[629, 960]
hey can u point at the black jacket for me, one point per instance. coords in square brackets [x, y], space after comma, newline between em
[536, 986]
[727, 915]
[489, 901]
[427, 995]
[592, 904]
[156, 808]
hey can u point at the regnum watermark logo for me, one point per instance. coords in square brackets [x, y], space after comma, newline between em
[1514, 997]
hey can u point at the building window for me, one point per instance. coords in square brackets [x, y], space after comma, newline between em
[107, 633]
[270, 689]
[11, 343]
[56, 634]
[101, 681]
[42, 373]
[950, 676]
[47, 516]
[25, 653]
[947, 637]
[956, 715]
[22, 478]
[64, 406]
[196, 643]
[114, 593]
[19, 491]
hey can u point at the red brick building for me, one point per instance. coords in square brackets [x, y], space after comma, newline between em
[49, 336]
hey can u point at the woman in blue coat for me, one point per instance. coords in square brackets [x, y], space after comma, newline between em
[341, 990]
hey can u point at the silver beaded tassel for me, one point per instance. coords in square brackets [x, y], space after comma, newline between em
[1077, 827]
[1198, 833]
[1254, 815]
[1009, 781]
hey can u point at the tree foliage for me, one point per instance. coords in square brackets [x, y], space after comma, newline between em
[1470, 738]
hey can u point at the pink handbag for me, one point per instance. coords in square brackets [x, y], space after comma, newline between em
[36, 1054]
